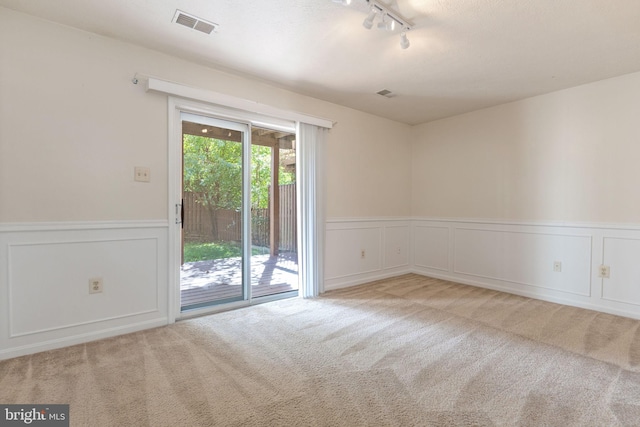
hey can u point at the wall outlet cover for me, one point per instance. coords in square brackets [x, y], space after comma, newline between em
[95, 285]
[142, 174]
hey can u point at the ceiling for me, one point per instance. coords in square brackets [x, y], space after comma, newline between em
[464, 54]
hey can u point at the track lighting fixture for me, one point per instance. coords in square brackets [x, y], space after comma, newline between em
[368, 21]
[382, 25]
[389, 21]
[404, 41]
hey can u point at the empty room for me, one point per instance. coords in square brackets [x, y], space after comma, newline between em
[320, 213]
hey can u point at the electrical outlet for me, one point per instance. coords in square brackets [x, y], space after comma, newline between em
[604, 271]
[142, 174]
[398, 251]
[362, 253]
[557, 266]
[95, 285]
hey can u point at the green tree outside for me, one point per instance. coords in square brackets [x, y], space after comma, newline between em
[213, 168]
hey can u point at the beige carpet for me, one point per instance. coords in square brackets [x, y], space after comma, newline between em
[410, 351]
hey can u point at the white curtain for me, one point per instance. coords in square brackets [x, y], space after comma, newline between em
[310, 146]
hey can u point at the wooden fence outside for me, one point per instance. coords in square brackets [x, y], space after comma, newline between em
[288, 215]
[202, 224]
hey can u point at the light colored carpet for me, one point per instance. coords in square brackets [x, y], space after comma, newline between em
[409, 351]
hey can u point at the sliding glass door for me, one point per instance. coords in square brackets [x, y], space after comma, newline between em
[214, 207]
[238, 213]
[274, 225]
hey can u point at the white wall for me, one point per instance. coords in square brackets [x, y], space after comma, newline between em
[73, 126]
[72, 129]
[367, 168]
[499, 195]
[571, 155]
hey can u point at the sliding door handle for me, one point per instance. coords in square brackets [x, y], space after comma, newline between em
[180, 211]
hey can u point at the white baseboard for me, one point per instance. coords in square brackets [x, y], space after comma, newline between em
[79, 339]
[359, 279]
[535, 295]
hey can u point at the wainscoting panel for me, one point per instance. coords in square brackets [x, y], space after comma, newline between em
[622, 256]
[525, 258]
[353, 251]
[431, 247]
[396, 246]
[385, 244]
[42, 273]
[553, 262]
[45, 276]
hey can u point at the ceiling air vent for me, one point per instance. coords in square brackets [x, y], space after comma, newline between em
[386, 93]
[193, 22]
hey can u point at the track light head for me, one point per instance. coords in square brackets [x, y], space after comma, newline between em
[382, 25]
[404, 41]
[387, 23]
[391, 24]
[368, 22]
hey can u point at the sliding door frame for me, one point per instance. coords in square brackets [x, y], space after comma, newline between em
[245, 239]
[175, 147]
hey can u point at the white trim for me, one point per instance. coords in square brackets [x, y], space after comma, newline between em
[369, 223]
[174, 194]
[534, 295]
[524, 223]
[368, 219]
[80, 225]
[80, 338]
[245, 105]
[521, 223]
[75, 325]
[531, 285]
[365, 278]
